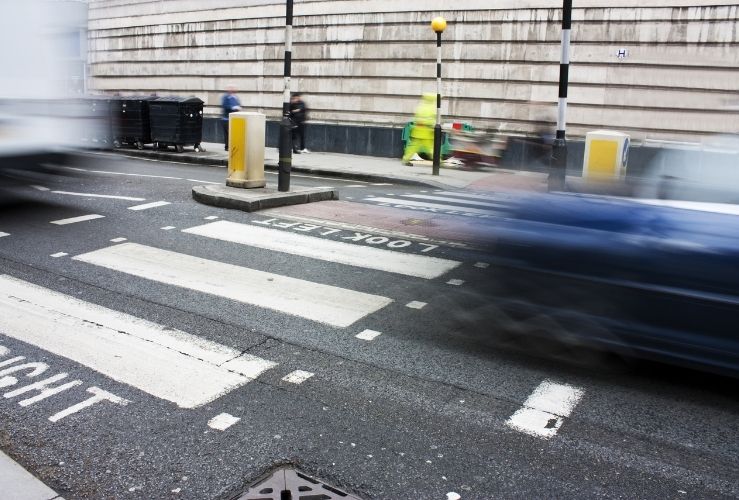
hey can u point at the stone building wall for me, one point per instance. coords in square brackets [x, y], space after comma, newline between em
[365, 62]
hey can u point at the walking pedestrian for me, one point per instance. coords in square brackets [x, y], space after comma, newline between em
[229, 103]
[298, 115]
[421, 139]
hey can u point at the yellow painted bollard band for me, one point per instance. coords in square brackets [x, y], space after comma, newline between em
[246, 140]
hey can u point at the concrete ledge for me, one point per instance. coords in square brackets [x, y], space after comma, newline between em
[251, 200]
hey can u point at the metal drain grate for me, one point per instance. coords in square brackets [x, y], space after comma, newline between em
[291, 484]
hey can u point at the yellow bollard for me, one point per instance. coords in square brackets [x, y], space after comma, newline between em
[246, 139]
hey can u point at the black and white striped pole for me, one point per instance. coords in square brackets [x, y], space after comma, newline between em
[438, 25]
[284, 164]
[558, 161]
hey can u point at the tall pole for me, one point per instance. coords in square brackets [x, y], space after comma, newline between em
[286, 143]
[558, 161]
[438, 25]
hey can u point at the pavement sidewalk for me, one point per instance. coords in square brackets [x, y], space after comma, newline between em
[16, 483]
[367, 168]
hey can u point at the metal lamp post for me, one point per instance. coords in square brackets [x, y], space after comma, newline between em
[286, 143]
[558, 160]
[438, 25]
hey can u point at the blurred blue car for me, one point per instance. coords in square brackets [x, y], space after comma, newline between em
[636, 277]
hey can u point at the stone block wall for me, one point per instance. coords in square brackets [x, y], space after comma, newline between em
[365, 62]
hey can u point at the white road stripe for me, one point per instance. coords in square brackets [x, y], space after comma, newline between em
[169, 364]
[118, 240]
[58, 254]
[467, 195]
[168, 228]
[4, 234]
[414, 304]
[412, 203]
[368, 335]
[204, 182]
[482, 265]
[297, 377]
[145, 206]
[39, 188]
[543, 411]
[453, 200]
[323, 303]
[90, 195]
[421, 266]
[455, 282]
[72, 220]
[222, 421]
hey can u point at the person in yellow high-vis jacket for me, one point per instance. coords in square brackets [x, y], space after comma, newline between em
[422, 134]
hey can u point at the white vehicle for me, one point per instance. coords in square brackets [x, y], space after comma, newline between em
[44, 52]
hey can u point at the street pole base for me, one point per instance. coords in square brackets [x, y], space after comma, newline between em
[246, 183]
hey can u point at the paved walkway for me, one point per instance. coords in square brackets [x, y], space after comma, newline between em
[18, 484]
[370, 169]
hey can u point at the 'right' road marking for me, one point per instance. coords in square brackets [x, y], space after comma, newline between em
[187, 370]
[544, 410]
[318, 302]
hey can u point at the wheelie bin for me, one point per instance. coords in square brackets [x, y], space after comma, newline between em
[131, 124]
[176, 121]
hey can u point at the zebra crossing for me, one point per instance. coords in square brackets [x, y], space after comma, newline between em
[445, 202]
[174, 365]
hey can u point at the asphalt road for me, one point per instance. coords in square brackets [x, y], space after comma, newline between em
[427, 408]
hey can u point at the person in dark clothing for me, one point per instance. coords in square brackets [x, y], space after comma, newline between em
[298, 115]
[229, 104]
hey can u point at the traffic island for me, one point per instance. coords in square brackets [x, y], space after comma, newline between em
[252, 200]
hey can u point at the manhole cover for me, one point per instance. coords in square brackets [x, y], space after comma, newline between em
[291, 484]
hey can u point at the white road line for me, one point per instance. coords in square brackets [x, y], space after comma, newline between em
[381, 184]
[211, 217]
[368, 335]
[39, 188]
[169, 364]
[132, 175]
[168, 228]
[421, 266]
[73, 220]
[222, 421]
[146, 206]
[90, 195]
[467, 195]
[58, 254]
[453, 200]
[314, 301]
[356, 185]
[455, 282]
[297, 377]
[4, 234]
[416, 304]
[544, 410]
[118, 240]
[413, 203]
[482, 265]
[205, 182]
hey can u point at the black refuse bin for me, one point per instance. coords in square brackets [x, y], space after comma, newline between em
[176, 121]
[98, 121]
[131, 121]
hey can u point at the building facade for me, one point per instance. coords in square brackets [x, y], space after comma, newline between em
[659, 70]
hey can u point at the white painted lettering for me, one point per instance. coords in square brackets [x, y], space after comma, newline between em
[306, 227]
[99, 395]
[42, 386]
[264, 222]
[36, 368]
[357, 237]
[286, 225]
[399, 244]
[377, 240]
[12, 360]
[331, 231]
[429, 247]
